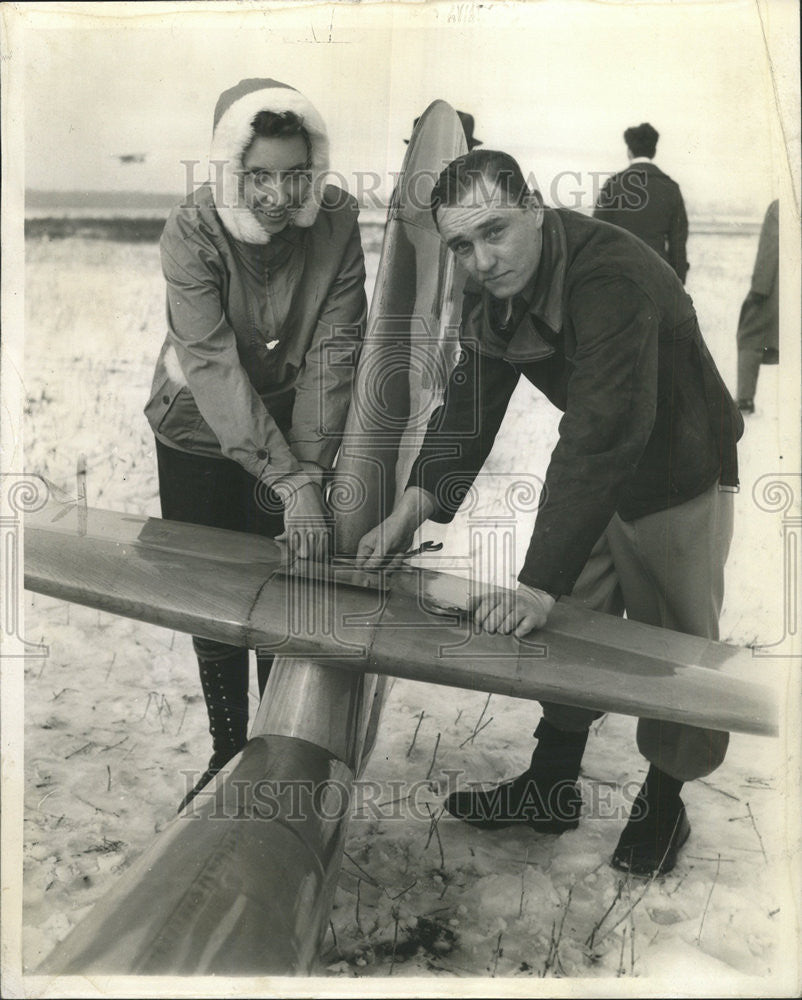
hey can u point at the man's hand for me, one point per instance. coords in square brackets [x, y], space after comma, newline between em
[394, 535]
[511, 611]
[307, 525]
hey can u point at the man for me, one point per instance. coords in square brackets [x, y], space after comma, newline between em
[636, 510]
[759, 322]
[645, 201]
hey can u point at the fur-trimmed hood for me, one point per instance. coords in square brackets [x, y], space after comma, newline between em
[236, 108]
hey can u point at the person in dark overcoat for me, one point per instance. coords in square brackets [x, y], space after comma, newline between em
[646, 202]
[636, 512]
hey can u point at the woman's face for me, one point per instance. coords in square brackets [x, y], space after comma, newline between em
[276, 179]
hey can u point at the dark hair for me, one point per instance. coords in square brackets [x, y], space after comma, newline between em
[278, 125]
[483, 169]
[642, 139]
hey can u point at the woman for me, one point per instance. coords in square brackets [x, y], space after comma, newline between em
[265, 314]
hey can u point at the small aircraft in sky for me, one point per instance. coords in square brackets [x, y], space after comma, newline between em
[131, 157]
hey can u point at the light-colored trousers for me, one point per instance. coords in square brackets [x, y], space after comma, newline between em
[664, 569]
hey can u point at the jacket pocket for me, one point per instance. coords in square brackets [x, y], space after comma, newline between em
[694, 454]
[162, 397]
[173, 413]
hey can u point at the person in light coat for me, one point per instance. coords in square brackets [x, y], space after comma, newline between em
[265, 314]
[758, 335]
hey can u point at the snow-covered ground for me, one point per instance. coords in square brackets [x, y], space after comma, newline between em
[114, 714]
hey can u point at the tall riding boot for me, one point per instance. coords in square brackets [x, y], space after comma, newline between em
[545, 796]
[225, 689]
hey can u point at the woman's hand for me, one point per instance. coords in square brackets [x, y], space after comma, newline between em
[511, 611]
[307, 524]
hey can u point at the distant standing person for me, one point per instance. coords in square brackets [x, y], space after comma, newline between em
[647, 202]
[759, 322]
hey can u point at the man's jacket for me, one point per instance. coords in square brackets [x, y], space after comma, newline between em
[607, 332]
[648, 203]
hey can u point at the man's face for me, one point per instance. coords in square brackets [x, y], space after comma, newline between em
[275, 179]
[497, 244]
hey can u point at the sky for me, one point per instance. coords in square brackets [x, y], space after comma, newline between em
[555, 83]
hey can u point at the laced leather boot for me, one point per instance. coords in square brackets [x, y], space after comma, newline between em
[225, 690]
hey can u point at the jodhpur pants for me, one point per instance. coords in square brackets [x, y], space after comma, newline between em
[221, 494]
[664, 569]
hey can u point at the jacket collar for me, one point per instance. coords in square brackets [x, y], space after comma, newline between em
[545, 292]
[544, 295]
[538, 304]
